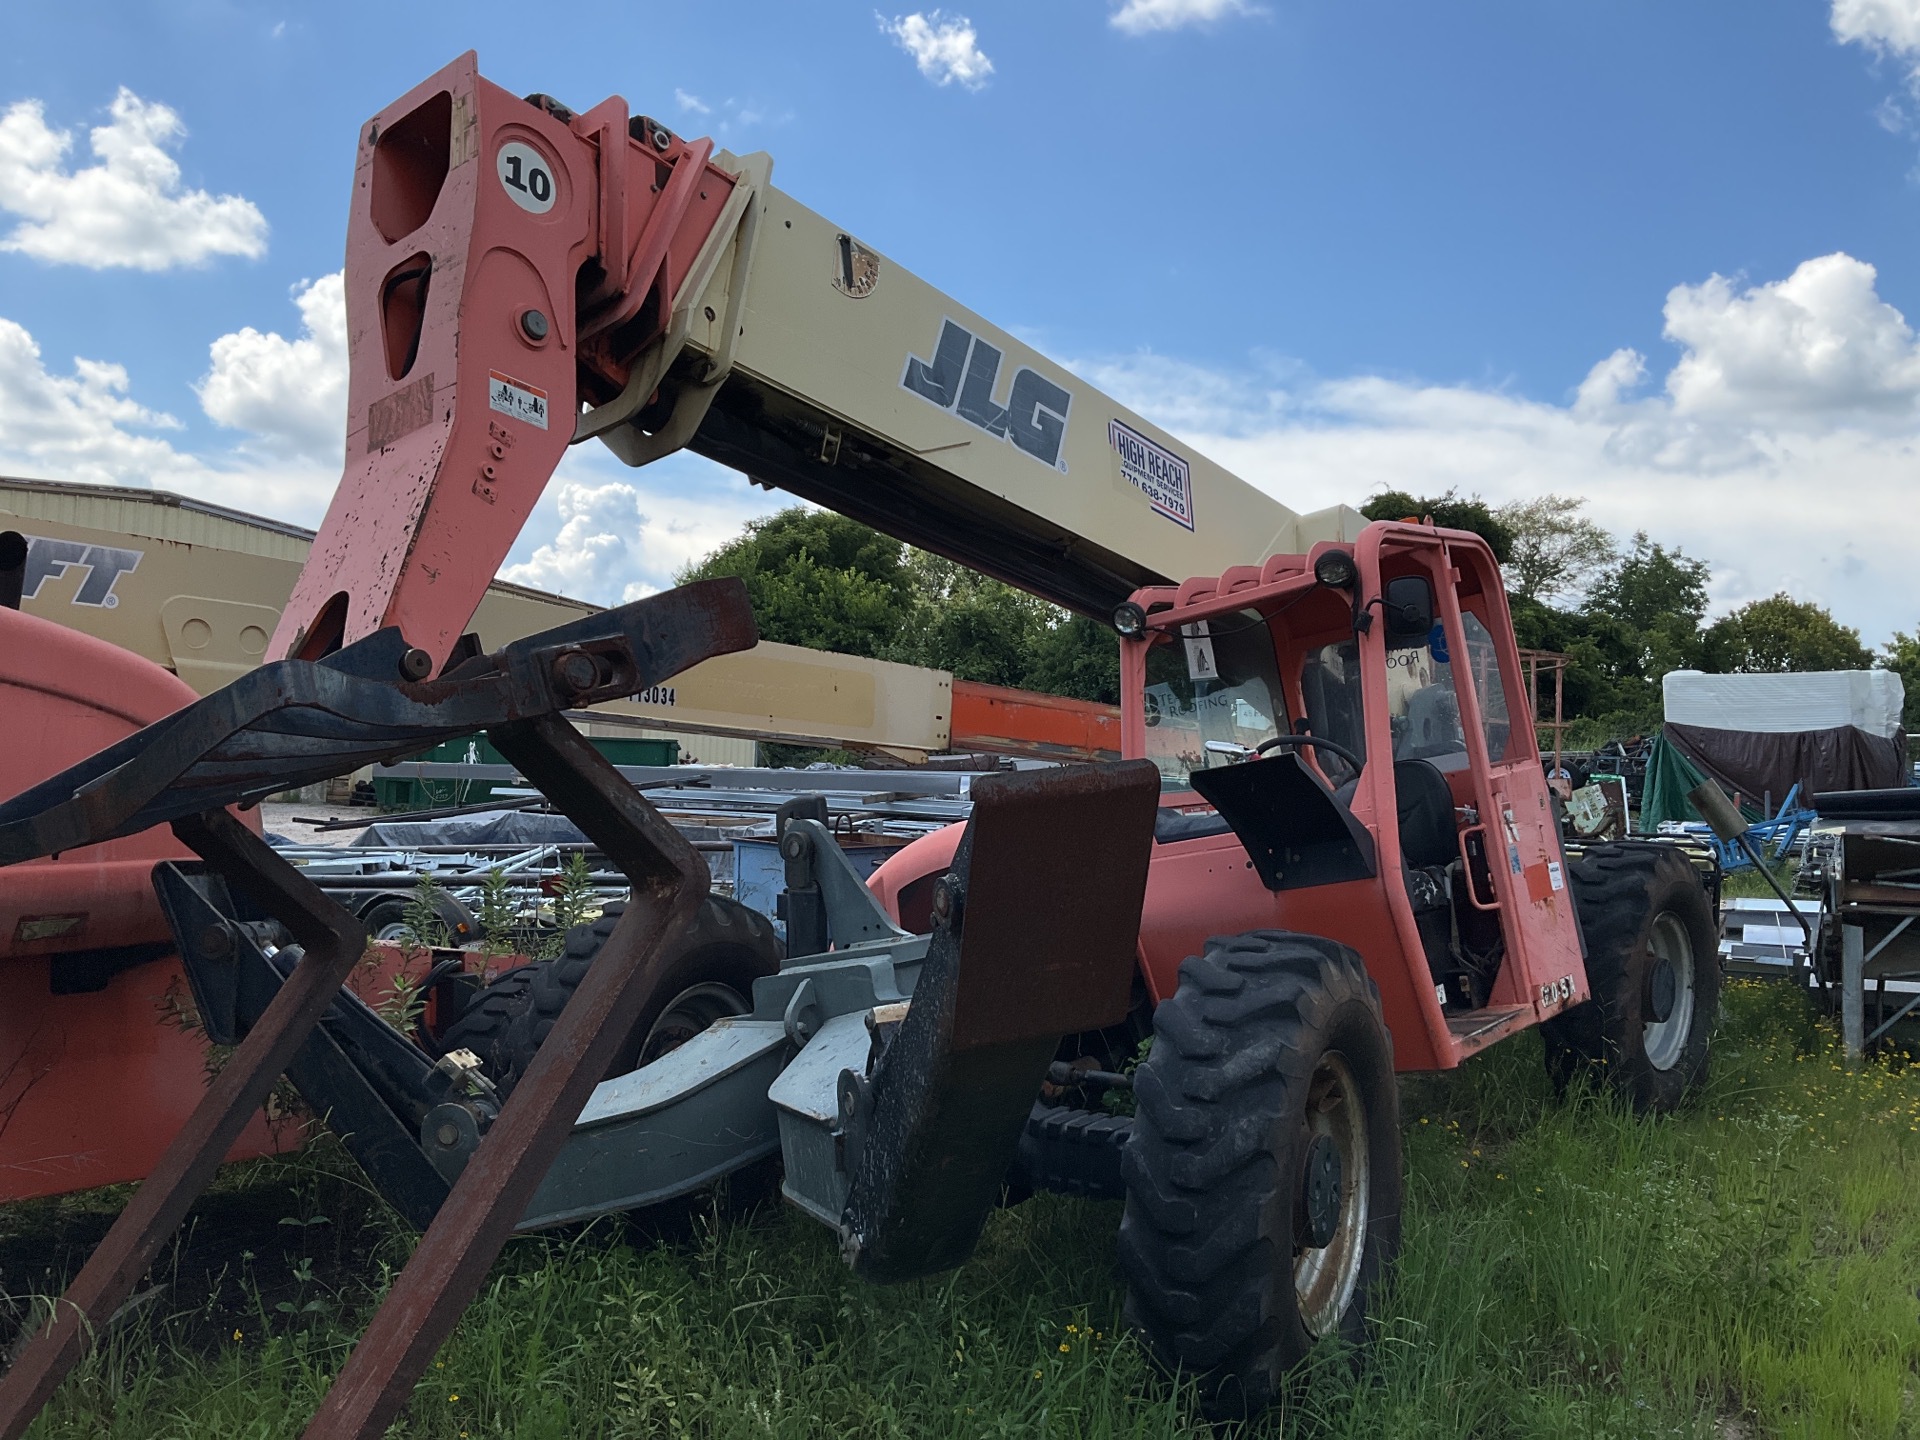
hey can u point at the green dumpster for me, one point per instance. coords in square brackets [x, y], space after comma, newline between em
[410, 794]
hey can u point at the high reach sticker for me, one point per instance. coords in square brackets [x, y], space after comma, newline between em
[1157, 473]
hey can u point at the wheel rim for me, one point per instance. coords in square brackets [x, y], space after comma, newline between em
[690, 1012]
[394, 932]
[1325, 1278]
[1665, 1041]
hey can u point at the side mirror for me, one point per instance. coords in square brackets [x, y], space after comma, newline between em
[1408, 607]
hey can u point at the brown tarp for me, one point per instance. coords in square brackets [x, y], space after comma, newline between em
[1758, 764]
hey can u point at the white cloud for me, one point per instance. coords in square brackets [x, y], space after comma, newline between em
[1821, 342]
[1141, 17]
[85, 426]
[692, 104]
[946, 49]
[618, 539]
[291, 395]
[82, 426]
[1788, 420]
[1887, 26]
[128, 209]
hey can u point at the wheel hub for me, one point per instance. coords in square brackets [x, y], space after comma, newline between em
[1323, 1192]
[1662, 988]
[1667, 995]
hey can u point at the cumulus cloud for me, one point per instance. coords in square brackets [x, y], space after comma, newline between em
[692, 104]
[620, 539]
[128, 209]
[86, 425]
[1141, 17]
[289, 395]
[1888, 26]
[82, 426]
[1819, 342]
[1788, 416]
[945, 48]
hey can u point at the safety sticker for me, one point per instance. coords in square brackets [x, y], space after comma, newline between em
[1160, 475]
[1199, 643]
[1554, 875]
[515, 398]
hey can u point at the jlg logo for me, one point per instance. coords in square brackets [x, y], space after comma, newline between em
[961, 377]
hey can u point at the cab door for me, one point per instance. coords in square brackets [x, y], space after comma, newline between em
[1544, 968]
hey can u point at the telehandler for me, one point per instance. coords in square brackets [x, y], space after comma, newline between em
[1330, 855]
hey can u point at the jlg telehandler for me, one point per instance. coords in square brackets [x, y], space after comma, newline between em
[1330, 854]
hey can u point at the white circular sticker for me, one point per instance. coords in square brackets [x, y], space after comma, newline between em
[526, 177]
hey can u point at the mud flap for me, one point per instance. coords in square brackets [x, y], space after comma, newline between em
[1035, 933]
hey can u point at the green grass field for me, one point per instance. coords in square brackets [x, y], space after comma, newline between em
[1747, 1269]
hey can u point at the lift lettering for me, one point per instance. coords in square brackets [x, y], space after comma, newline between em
[961, 378]
[48, 559]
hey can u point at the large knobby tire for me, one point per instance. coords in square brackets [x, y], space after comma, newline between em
[1263, 1171]
[1653, 969]
[708, 976]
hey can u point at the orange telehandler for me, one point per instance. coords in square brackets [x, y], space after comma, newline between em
[1331, 852]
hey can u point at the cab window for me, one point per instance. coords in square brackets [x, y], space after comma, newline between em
[1214, 681]
[1483, 663]
[1423, 706]
[1330, 689]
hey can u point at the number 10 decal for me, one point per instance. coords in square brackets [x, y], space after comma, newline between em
[526, 177]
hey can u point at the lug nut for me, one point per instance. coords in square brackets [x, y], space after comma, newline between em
[533, 324]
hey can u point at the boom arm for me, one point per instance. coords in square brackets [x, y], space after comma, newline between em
[520, 277]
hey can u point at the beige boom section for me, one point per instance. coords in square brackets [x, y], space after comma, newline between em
[815, 364]
[198, 588]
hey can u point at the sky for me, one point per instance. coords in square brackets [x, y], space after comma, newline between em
[1658, 256]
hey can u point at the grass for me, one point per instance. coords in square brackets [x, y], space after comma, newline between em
[1746, 1269]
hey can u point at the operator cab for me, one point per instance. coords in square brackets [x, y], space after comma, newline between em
[1311, 685]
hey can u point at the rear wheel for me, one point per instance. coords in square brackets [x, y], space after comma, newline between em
[1263, 1171]
[387, 921]
[1653, 967]
[708, 977]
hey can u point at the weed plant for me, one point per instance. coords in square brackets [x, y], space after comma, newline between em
[1746, 1269]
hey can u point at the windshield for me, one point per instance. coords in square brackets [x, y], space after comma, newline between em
[1215, 680]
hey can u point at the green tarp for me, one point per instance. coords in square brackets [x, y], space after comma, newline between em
[1670, 775]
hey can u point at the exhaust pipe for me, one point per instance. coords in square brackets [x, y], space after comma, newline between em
[13, 568]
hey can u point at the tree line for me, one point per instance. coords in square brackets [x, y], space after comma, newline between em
[1624, 615]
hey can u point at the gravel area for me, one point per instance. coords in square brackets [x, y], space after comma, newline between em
[279, 818]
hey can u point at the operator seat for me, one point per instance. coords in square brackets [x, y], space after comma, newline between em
[1427, 835]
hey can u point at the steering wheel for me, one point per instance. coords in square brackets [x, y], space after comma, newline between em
[1325, 744]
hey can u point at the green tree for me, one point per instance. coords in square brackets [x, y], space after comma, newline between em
[960, 620]
[1781, 633]
[1557, 552]
[1902, 656]
[1449, 512]
[818, 579]
[1079, 658]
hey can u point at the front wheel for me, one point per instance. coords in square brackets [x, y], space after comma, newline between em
[1263, 1171]
[707, 976]
[1653, 967]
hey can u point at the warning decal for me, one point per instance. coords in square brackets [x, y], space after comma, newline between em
[511, 397]
[1159, 474]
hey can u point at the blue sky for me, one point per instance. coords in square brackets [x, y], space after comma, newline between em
[1656, 255]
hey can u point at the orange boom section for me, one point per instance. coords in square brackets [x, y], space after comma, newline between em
[1000, 721]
